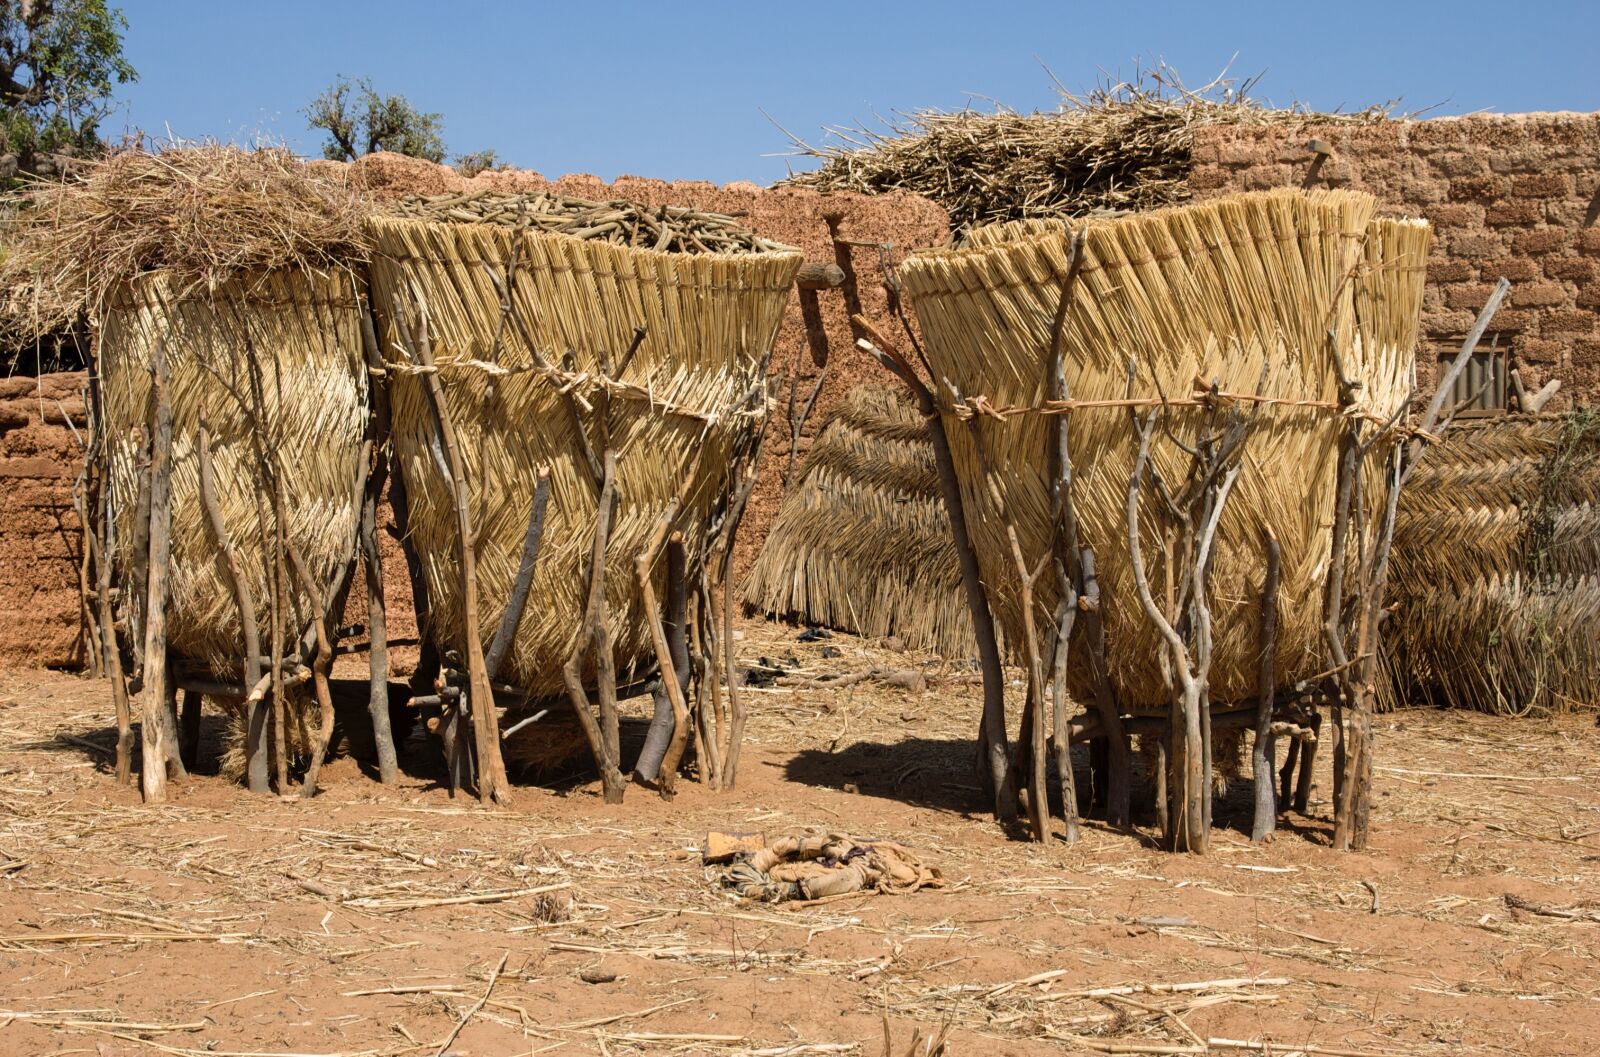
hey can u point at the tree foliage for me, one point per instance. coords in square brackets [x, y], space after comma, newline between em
[60, 60]
[360, 121]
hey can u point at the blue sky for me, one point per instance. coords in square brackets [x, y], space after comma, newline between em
[679, 90]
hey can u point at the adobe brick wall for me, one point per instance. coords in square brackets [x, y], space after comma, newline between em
[1508, 195]
[40, 545]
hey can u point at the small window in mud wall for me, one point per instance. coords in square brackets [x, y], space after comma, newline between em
[1482, 387]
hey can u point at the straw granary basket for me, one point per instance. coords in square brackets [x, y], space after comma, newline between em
[862, 542]
[1252, 290]
[1496, 567]
[695, 386]
[301, 331]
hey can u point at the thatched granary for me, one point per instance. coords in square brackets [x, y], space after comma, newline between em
[1497, 568]
[709, 321]
[862, 541]
[299, 334]
[1242, 291]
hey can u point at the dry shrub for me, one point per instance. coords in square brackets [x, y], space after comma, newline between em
[207, 213]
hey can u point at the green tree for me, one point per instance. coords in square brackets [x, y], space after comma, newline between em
[359, 121]
[60, 60]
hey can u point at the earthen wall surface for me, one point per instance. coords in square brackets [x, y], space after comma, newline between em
[40, 544]
[1514, 196]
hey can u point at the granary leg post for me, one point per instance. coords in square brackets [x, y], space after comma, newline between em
[322, 627]
[378, 430]
[593, 631]
[670, 726]
[1261, 752]
[493, 785]
[107, 615]
[158, 732]
[244, 601]
[1119, 755]
[677, 630]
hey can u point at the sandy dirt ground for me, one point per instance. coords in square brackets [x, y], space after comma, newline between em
[371, 921]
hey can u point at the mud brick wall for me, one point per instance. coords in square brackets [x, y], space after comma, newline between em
[40, 545]
[1512, 196]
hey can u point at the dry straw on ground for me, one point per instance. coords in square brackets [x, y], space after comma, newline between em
[673, 411]
[1242, 293]
[1121, 147]
[1497, 567]
[862, 542]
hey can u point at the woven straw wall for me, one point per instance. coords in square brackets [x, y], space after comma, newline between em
[862, 541]
[303, 332]
[1214, 291]
[1497, 567]
[711, 321]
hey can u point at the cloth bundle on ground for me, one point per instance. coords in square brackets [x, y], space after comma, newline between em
[818, 865]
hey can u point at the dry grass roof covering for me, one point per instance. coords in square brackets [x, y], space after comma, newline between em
[1219, 291]
[1121, 147]
[862, 541]
[1497, 567]
[301, 330]
[710, 322]
[201, 214]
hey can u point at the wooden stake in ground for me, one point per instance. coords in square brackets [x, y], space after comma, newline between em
[492, 781]
[1261, 754]
[594, 632]
[372, 561]
[994, 751]
[158, 748]
[244, 599]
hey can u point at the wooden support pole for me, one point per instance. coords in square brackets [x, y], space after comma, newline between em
[527, 563]
[593, 632]
[1261, 754]
[244, 602]
[493, 785]
[677, 632]
[673, 685]
[995, 752]
[379, 432]
[320, 665]
[157, 749]
[108, 635]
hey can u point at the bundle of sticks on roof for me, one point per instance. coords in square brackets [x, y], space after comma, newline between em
[666, 228]
[862, 541]
[1124, 146]
[1497, 568]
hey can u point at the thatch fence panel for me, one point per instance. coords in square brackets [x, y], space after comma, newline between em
[300, 332]
[709, 321]
[862, 541]
[1244, 291]
[1497, 568]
